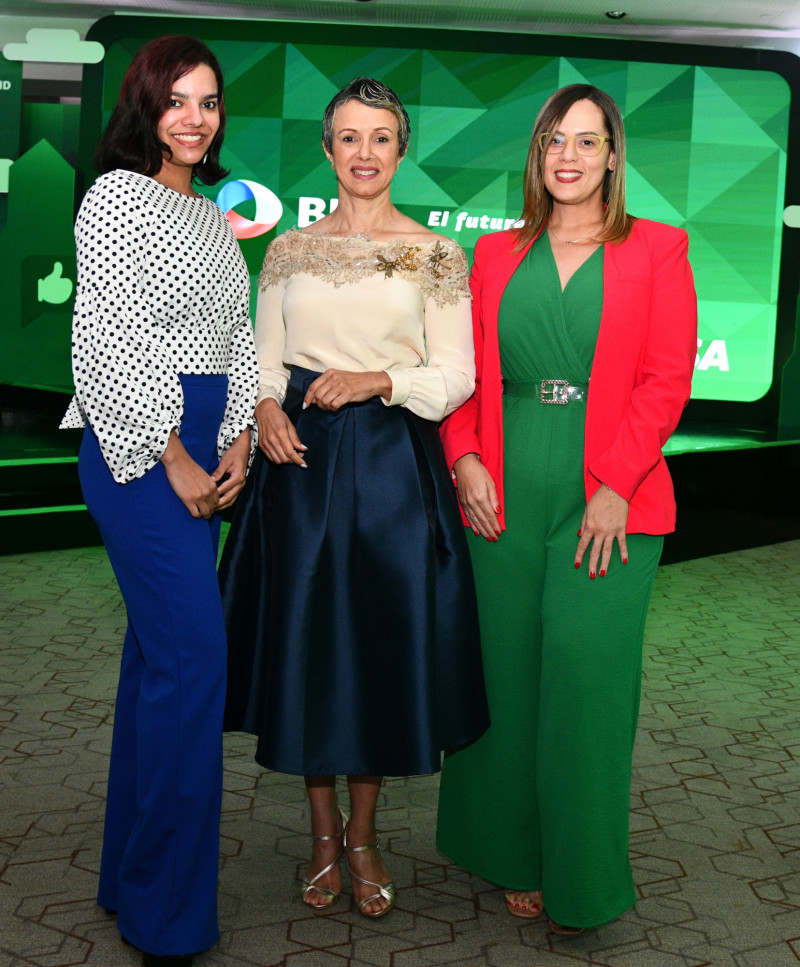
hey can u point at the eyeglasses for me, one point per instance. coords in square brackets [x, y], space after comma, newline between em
[589, 145]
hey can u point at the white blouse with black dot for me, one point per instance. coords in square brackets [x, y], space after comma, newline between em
[162, 290]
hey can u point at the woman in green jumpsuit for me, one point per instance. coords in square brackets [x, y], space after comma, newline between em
[575, 299]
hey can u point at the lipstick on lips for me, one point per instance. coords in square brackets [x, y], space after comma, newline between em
[189, 138]
[364, 171]
[567, 176]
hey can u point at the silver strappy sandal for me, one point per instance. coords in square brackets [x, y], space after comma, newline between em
[312, 884]
[386, 891]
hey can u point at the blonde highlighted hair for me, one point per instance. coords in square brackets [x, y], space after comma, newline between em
[537, 201]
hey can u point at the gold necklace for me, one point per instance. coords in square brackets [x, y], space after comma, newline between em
[572, 241]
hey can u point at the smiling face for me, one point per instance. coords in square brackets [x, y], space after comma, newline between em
[573, 178]
[188, 126]
[365, 149]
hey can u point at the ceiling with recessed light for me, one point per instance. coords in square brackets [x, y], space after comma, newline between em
[756, 23]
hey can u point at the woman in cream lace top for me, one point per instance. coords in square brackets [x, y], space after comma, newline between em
[348, 593]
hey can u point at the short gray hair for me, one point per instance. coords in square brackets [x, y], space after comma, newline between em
[373, 94]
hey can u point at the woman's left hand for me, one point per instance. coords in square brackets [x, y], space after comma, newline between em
[603, 522]
[233, 468]
[336, 387]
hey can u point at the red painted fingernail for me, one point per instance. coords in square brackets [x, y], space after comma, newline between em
[497, 509]
[577, 564]
[592, 575]
[580, 532]
[624, 560]
[602, 574]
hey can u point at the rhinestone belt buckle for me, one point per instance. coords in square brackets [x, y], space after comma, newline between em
[555, 391]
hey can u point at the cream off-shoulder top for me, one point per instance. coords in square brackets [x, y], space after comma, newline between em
[351, 303]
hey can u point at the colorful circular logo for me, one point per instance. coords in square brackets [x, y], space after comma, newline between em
[268, 207]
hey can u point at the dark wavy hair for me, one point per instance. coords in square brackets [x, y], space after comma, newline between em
[131, 140]
[374, 94]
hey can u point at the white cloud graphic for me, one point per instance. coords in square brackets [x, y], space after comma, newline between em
[55, 46]
[791, 216]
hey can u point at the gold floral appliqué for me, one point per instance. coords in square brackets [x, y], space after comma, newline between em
[405, 261]
[437, 259]
[438, 269]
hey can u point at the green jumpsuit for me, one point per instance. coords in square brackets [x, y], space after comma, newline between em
[541, 800]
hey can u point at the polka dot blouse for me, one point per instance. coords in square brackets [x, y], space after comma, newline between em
[162, 290]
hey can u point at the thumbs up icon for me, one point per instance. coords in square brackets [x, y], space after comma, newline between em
[53, 288]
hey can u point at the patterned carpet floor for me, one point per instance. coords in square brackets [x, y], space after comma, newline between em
[715, 799]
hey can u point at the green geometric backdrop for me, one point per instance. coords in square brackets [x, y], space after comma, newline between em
[706, 151]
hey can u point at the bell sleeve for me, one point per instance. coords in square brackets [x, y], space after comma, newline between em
[125, 385]
[242, 383]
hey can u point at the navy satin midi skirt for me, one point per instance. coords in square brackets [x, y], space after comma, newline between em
[349, 600]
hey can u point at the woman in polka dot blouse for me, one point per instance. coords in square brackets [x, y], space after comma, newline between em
[165, 380]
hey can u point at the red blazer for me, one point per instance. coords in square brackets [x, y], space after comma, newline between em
[641, 374]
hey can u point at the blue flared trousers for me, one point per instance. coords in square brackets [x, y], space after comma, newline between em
[161, 839]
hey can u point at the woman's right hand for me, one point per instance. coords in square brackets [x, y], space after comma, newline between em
[277, 436]
[478, 496]
[196, 488]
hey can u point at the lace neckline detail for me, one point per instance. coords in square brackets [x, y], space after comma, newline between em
[438, 267]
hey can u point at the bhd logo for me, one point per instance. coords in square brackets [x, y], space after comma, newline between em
[268, 207]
